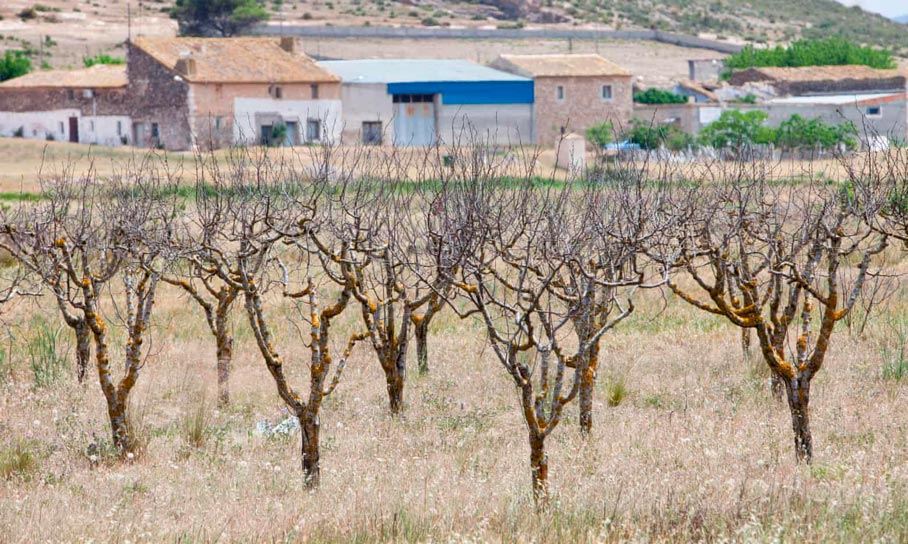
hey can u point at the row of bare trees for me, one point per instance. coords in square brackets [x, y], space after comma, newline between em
[548, 268]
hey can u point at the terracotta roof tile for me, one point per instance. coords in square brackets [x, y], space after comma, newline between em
[98, 76]
[236, 60]
[826, 73]
[562, 65]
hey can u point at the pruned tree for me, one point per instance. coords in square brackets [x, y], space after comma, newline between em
[522, 250]
[254, 245]
[84, 236]
[774, 259]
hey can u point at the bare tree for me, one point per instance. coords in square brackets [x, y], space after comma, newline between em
[83, 237]
[774, 259]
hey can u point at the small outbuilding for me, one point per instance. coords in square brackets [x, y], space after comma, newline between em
[573, 92]
[80, 106]
[429, 102]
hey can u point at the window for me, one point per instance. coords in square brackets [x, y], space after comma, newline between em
[874, 111]
[62, 130]
[275, 91]
[119, 128]
[92, 124]
[267, 132]
[155, 131]
[314, 90]
[217, 123]
[70, 94]
[559, 93]
[313, 130]
[410, 98]
[372, 132]
[606, 93]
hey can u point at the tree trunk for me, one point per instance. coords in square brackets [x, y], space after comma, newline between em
[395, 380]
[309, 430]
[83, 350]
[225, 355]
[587, 386]
[116, 412]
[798, 403]
[539, 466]
[422, 347]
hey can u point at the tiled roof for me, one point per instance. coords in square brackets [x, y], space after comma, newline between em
[561, 65]
[236, 60]
[98, 76]
[825, 73]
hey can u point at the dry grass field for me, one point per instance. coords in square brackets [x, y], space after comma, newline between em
[687, 443]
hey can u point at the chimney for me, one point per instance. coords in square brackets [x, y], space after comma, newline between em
[290, 44]
[185, 65]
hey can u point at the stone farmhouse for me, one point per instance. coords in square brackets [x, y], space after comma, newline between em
[573, 92]
[213, 92]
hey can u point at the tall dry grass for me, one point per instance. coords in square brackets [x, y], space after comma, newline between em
[695, 451]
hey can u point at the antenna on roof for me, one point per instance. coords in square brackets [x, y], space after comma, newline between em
[128, 22]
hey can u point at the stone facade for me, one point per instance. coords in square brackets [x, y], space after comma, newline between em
[159, 104]
[582, 105]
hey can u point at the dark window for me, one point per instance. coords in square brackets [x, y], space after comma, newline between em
[313, 130]
[267, 132]
[874, 111]
[155, 131]
[276, 91]
[314, 89]
[217, 123]
[70, 94]
[372, 132]
[606, 92]
[409, 98]
[119, 128]
[559, 92]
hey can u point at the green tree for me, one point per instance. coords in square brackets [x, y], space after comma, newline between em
[797, 133]
[658, 96]
[806, 52]
[14, 63]
[736, 129]
[601, 134]
[217, 17]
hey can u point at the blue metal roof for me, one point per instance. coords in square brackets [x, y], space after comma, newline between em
[457, 81]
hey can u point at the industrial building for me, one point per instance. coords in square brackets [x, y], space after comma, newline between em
[429, 102]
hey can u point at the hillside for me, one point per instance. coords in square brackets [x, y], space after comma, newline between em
[60, 32]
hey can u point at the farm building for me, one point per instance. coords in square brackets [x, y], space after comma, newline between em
[428, 102]
[214, 92]
[84, 106]
[572, 92]
[874, 114]
[817, 80]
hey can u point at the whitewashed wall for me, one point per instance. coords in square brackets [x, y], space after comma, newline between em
[366, 102]
[495, 124]
[245, 130]
[93, 129]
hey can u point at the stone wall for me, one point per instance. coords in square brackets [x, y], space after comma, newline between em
[581, 107]
[157, 97]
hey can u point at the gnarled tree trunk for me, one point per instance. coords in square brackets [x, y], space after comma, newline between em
[83, 349]
[587, 387]
[394, 376]
[421, 329]
[225, 356]
[798, 390]
[539, 467]
[309, 426]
